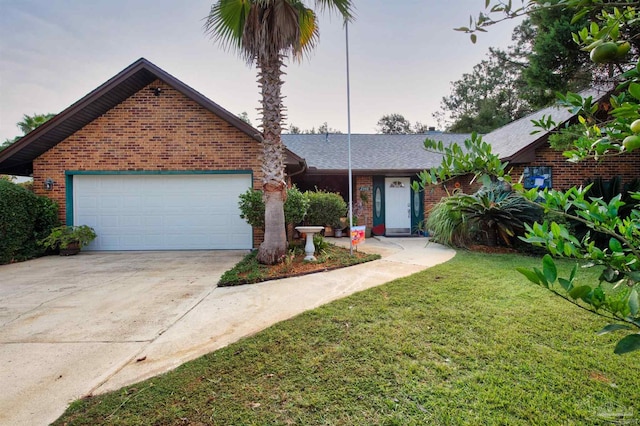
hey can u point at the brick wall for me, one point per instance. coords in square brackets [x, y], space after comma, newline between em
[566, 174]
[434, 193]
[150, 133]
[365, 182]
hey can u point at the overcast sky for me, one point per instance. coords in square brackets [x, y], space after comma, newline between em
[403, 56]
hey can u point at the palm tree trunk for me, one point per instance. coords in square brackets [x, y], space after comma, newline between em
[274, 247]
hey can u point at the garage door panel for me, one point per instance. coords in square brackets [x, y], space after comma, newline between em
[162, 212]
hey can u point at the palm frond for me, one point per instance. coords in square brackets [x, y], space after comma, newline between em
[225, 23]
[343, 7]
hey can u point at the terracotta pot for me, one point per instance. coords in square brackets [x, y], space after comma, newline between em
[70, 249]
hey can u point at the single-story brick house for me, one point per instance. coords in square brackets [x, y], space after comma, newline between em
[383, 168]
[384, 165]
[149, 162]
[152, 164]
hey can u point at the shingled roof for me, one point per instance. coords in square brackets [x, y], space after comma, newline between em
[379, 153]
[515, 143]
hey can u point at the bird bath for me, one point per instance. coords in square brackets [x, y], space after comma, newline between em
[309, 248]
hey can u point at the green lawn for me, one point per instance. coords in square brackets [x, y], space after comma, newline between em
[468, 342]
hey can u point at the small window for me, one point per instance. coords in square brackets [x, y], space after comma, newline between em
[537, 177]
[396, 184]
[378, 201]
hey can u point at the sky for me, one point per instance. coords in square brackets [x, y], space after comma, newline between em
[403, 56]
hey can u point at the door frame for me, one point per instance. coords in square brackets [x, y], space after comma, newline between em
[405, 206]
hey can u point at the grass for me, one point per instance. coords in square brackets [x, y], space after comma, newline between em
[329, 257]
[465, 343]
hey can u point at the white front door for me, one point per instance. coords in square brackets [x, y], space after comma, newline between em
[397, 201]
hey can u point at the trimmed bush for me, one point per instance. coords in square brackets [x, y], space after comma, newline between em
[325, 208]
[252, 207]
[25, 218]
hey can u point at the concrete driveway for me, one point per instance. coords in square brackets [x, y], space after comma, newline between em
[87, 324]
[69, 323]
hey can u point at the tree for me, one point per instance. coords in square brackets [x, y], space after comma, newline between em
[27, 124]
[294, 130]
[264, 33]
[30, 122]
[616, 295]
[419, 128]
[322, 129]
[555, 63]
[244, 117]
[394, 124]
[488, 97]
[523, 78]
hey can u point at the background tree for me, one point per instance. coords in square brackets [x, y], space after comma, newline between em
[419, 128]
[264, 33]
[488, 97]
[322, 129]
[245, 117]
[555, 63]
[27, 124]
[30, 122]
[394, 124]
[523, 78]
[616, 296]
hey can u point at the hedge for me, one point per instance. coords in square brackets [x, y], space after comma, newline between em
[25, 218]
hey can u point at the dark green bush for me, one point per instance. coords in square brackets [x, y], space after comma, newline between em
[25, 218]
[252, 207]
[325, 208]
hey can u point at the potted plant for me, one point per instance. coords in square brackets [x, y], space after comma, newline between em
[69, 239]
[421, 229]
[339, 227]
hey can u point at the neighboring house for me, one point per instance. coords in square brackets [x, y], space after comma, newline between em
[149, 163]
[152, 164]
[533, 159]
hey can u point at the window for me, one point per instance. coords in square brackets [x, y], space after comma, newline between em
[396, 184]
[537, 177]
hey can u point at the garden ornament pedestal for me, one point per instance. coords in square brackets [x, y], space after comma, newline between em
[309, 248]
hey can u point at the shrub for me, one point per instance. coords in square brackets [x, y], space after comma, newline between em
[493, 213]
[252, 207]
[606, 190]
[496, 213]
[25, 218]
[446, 224]
[325, 208]
[296, 206]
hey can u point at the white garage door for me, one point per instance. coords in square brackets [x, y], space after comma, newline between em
[162, 212]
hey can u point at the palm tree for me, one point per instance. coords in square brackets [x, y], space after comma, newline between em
[264, 32]
[30, 122]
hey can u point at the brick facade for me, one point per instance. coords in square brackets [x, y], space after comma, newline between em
[566, 174]
[364, 193]
[150, 133]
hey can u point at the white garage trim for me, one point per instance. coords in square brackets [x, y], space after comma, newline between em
[160, 210]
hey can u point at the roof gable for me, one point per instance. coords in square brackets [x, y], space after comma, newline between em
[18, 157]
[513, 141]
